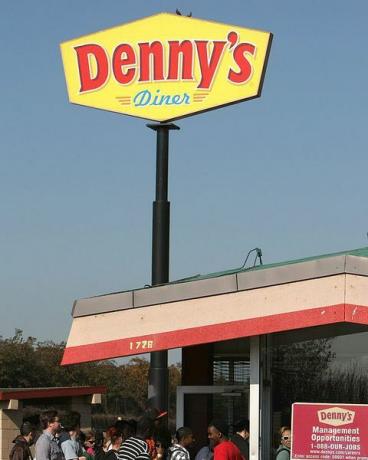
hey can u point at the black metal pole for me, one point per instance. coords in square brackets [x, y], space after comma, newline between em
[158, 372]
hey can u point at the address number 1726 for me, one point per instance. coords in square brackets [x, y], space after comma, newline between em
[141, 345]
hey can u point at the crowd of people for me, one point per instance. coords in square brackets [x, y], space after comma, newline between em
[144, 439]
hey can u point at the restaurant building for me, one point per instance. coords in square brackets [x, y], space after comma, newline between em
[253, 340]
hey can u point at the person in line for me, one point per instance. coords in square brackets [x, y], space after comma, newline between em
[283, 452]
[98, 447]
[89, 443]
[184, 439]
[107, 439]
[125, 427]
[116, 441]
[86, 446]
[160, 451]
[205, 453]
[162, 440]
[158, 418]
[241, 437]
[136, 447]
[47, 447]
[223, 449]
[68, 438]
[20, 450]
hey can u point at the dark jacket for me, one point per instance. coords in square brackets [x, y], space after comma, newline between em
[242, 444]
[111, 455]
[20, 450]
[99, 453]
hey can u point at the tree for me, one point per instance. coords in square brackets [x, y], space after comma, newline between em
[16, 361]
[297, 372]
[31, 363]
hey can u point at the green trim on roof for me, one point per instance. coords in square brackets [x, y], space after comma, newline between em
[360, 252]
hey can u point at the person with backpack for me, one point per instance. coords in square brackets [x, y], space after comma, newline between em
[20, 450]
[68, 438]
[283, 452]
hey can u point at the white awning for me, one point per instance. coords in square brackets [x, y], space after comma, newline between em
[293, 296]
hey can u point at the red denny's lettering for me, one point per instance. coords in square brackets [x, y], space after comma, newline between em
[336, 416]
[158, 61]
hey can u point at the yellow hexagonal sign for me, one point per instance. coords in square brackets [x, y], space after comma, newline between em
[166, 66]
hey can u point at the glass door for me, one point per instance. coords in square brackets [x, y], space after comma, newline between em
[196, 406]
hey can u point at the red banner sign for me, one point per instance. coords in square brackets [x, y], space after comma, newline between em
[329, 431]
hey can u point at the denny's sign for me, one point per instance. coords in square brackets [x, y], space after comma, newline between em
[166, 66]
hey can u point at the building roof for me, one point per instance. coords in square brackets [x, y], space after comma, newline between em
[359, 252]
[219, 306]
[227, 281]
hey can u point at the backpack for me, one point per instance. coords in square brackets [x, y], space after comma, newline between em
[56, 452]
[23, 451]
[12, 451]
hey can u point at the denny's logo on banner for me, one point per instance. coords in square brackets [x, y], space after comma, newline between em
[166, 66]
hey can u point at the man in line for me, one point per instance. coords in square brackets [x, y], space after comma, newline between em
[223, 449]
[184, 439]
[47, 447]
[20, 450]
[241, 437]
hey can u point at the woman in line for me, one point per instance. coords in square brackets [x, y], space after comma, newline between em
[283, 452]
[116, 440]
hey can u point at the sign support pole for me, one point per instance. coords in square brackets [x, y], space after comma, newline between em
[158, 372]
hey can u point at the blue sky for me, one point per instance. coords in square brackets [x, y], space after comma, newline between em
[286, 172]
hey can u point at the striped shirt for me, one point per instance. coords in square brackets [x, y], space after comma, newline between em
[133, 449]
[178, 452]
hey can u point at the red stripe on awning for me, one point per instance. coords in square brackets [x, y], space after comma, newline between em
[356, 314]
[207, 334]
